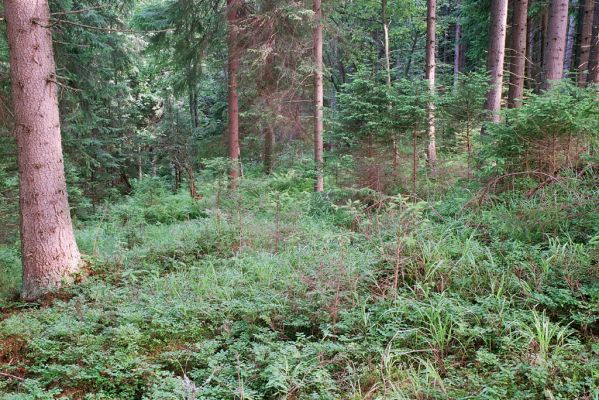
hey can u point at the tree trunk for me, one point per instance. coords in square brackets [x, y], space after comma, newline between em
[585, 41]
[48, 246]
[594, 56]
[553, 62]
[496, 56]
[457, 56]
[318, 99]
[518, 64]
[569, 54]
[431, 46]
[269, 142]
[386, 34]
[530, 66]
[233, 98]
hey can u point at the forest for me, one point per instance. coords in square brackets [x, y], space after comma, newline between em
[299, 199]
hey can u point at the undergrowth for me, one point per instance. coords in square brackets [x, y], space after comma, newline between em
[277, 293]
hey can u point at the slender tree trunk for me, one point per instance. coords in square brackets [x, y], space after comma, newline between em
[569, 54]
[48, 246]
[594, 56]
[318, 99]
[518, 64]
[457, 56]
[233, 100]
[530, 67]
[496, 56]
[585, 41]
[431, 46]
[140, 164]
[386, 37]
[553, 62]
[269, 143]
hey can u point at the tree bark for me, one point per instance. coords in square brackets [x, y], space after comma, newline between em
[431, 46]
[457, 50]
[518, 64]
[49, 251]
[233, 98]
[386, 38]
[318, 99]
[496, 56]
[585, 41]
[269, 142]
[594, 56]
[570, 54]
[553, 62]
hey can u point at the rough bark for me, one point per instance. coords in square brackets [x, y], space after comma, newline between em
[233, 98]
[518, 64]
[594, 56]
[585, 41]
[570, 54]
[496, 56]
[555, 45]
[49, 251]
[431, 46]
[318, 99]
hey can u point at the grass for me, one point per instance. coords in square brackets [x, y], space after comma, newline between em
[277, 293]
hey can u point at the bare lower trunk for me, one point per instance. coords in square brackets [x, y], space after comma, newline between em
[585, 41]
[496, 56]
[555, 43]
[49, 251]
[569, 52]
[457, 56]
[518, 64]
[431, 46]
[386, 34]
[269, 143]
[233, 98]
[318, 99]
[594, 57]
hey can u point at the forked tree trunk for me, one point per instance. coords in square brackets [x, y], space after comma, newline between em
[553, 62]
[585, 41]
[594, 57]
[518, 64]
[49, 251]
[318, 99]
[233, 98]
[431, 46]
[496, 56]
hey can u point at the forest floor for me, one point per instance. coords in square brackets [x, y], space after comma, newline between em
[274, 292]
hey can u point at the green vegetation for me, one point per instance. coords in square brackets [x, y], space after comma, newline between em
[276, 292]
[453, 252]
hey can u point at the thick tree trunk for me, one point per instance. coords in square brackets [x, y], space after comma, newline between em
[233, 100]
[318, 99]
[585, 41]
[594, 57]
[496, 56]
[553, 62]
[431, 46]
[49, 250]
[518, 64]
